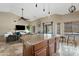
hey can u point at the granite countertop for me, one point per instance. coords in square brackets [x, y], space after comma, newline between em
[36, 39]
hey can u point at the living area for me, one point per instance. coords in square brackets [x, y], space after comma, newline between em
[42, 29]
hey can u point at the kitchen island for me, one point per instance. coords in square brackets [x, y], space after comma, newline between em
[37, 45]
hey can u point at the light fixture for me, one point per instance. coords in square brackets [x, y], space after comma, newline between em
[22, 11]
[72, 9]
[43, 10]
[36, 5]
[22, 18]
[49, 12]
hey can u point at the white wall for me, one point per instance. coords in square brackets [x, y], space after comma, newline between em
[7, 22]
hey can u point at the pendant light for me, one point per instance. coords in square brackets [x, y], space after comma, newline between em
[49, 12]
[43, 8]
[22, 11]
[36, 5]
[49, 9]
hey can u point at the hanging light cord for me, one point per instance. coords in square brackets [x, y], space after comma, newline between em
[35, 4]
[22, 11]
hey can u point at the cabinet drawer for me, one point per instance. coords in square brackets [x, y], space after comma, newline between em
[40, 45]
[41, 52]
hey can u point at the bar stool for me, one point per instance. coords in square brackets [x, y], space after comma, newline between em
[63, 38]
[73, 41]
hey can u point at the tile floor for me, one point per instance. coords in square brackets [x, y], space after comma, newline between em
[68, 50]
[15, 49]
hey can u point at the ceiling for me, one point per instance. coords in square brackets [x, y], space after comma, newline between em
[32, 12]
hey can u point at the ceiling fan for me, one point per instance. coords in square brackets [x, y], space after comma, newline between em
[22, 18]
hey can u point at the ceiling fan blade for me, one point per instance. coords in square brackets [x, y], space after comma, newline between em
[24, 18]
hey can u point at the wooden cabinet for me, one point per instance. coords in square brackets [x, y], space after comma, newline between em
[53, 46]
[41, 47]
[36, 48]
[41, 52]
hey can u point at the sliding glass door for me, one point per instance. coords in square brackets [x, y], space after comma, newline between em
[58, 28]
[48, 28]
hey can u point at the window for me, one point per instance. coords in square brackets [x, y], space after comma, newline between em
[58, 28]
[33, 29]
[48, 28]
[70, 27]
[39, 28]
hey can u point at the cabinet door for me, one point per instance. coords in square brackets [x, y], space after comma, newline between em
[41, 52]
[53, 46]
[51, 49]
[24, 50]
[57, 44]
[27, 50]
